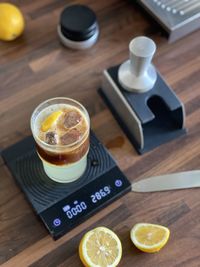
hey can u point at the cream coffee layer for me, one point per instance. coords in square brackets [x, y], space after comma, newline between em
[64, 128]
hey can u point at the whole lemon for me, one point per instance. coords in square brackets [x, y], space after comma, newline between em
[11, 22]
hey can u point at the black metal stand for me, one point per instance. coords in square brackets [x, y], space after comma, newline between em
[149, 119]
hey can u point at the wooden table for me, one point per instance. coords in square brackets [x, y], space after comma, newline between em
[37, 67]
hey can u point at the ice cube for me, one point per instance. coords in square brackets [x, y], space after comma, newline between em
[51, 138]
[72, 118]
[70, 137]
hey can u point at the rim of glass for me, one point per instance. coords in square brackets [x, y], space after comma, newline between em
[59, 146]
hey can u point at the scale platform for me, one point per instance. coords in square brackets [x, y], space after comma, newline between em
[60, 206]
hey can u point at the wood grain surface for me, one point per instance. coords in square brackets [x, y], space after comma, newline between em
[36, 67]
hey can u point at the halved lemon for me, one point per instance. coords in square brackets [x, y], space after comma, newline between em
[50, 120]
[149, 237]
[100, 247]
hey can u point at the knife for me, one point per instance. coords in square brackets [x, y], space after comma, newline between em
[180, 180]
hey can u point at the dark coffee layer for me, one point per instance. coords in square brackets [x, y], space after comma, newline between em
[64, 158]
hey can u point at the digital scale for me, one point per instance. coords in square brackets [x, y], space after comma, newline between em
[60, 206]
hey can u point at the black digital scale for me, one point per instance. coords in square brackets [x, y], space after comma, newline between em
[63, 206]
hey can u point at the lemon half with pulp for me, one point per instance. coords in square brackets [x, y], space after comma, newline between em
[149, 237]
[100, 247]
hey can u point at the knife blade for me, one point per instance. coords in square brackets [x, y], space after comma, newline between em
[174, 181]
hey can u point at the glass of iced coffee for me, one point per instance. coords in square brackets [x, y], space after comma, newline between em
[60, 127]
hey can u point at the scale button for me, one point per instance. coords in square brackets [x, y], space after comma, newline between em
[56, 222]
[118, 183]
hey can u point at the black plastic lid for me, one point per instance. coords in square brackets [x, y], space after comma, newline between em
[78, 22]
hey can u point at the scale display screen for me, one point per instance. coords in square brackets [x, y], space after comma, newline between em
[77, 207]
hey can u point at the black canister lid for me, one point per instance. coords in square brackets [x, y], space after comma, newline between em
[78, 22]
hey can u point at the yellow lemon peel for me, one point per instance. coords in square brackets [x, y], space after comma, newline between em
[50, 120]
